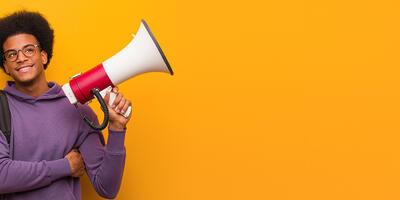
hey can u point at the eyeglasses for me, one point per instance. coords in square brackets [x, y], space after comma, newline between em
[28, 51]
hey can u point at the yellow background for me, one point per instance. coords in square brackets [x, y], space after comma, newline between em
[271, 99]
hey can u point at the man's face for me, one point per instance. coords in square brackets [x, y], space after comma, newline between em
[24, 69]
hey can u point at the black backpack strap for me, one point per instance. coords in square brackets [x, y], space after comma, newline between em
[5, 116]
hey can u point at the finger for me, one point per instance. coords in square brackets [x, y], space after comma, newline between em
[81, 158]
[80, 173]
[107, 97]
[121, 105]
[80, 169]
[115, 89]
[71, 154]
[82, 166]
[117, 99]
[125, 107]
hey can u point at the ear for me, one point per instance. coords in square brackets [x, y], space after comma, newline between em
[5, 69]
[43, 56]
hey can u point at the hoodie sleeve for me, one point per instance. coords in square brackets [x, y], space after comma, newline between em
[104, 163]
[19, 176]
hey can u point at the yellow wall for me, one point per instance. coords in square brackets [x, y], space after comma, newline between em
[271, 99]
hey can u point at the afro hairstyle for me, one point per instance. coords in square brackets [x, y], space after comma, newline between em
[26, 22]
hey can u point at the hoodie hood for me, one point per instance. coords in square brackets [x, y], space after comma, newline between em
[54, 92]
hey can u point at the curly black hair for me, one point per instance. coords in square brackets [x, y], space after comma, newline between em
[30, 23]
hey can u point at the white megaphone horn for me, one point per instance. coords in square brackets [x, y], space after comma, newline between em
[143, 54]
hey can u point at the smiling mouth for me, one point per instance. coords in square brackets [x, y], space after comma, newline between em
[24, 68]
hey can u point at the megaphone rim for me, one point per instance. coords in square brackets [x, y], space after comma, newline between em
[158, 47]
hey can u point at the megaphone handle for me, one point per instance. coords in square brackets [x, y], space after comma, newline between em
[104, 108]
[112, 98]
[127, 112]
[111, 101]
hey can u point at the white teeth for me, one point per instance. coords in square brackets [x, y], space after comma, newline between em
[24, 69]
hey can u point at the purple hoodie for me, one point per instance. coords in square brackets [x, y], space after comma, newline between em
[44, 130]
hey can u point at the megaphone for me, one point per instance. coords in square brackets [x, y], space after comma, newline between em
[143, 54]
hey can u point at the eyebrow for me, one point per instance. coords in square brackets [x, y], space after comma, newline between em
[20, 48]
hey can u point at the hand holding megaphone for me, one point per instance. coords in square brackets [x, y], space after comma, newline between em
[143, 54]
[111, 99]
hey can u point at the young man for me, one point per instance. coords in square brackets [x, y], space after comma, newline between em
[51, 146]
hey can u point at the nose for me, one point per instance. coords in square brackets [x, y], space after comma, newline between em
[21, 57]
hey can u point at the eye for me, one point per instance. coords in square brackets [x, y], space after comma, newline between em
[29, 50]
[11, 54]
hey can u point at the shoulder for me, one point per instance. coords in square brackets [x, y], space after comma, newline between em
[86, 110]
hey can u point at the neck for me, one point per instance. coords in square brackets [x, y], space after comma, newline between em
[34, 89]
